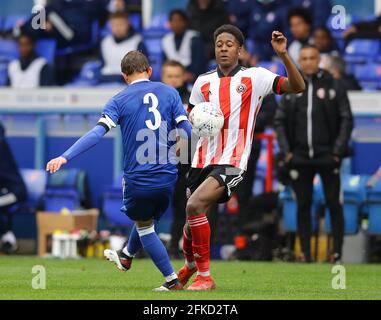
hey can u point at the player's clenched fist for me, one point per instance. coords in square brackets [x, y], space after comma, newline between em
[55, 164]
[279, 42]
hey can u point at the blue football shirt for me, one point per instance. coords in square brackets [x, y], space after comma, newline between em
[148, 113]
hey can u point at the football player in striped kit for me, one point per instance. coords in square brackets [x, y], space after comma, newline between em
[220, 162]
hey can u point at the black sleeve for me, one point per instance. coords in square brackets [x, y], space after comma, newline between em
[47, 77]
[369, 26]
[276, 84]
[280, 125]
[346, 120]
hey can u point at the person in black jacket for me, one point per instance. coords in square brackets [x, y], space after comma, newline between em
[205, 17]
[12, 191]
[313, 130]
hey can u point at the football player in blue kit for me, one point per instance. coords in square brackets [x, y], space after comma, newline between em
[150, 116]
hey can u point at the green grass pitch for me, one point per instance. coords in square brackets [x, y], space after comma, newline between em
[99, 279]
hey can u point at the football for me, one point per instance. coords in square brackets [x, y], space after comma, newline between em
[207, 119]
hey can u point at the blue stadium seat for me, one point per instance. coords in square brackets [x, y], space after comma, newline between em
[3, 73]
[88, 76]
[274, 66]
[35, 182]
[159, 21]
[152, 40]
[12, 21]
[46, 48]
[8, 50]
[112, 203]
[369, 75]
[55, 199]
[62, 191]
[374, 208]
[362, 50]
[289, 207]
[289, 210]
[136, 21]
[354, 192]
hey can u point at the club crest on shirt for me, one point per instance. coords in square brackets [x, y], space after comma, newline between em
[241, 88]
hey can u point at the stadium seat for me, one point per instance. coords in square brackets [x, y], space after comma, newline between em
[274, 66]
[8, 50]
[374, 208]
[362, 50]
[289, 210]
[112, 203]
[88, 76]
[62, 191]
[3, 73]
[12, 21]
[354, 192]
[35, 182]
[56, 199]
[159, 21]
[289, 207]
[369, 75]
[46, 48]
[152, 40]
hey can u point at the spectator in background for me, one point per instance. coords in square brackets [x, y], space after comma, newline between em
[30, 70]
[300, 23]
[12, 191]
[69, 22]
[313, 135]
[320, 10]
[117, 6]
[335, 65]
[244, 190]
[114, 46]
[266, 16]
[184, 45]
[205, 17]
[366, 29]
[173, 74]
[239, 13]
[325, 43]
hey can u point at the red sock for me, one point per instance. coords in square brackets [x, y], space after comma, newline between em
[200, 230]
[187, 246]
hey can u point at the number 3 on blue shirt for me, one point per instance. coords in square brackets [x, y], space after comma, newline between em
[153, 109]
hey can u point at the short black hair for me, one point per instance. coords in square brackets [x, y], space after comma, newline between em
[180, 12]
[326, 30]
[233, 30]
[300, 12]
[29, 36]
[118, 15]
[134, 61]
[172, 63]
[309, 46]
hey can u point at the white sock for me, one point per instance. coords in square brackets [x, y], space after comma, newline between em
[204, 274]
[171, 277]
[190, 265]
[125, 251]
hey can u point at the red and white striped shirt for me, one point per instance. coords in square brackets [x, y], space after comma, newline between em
[239, 96]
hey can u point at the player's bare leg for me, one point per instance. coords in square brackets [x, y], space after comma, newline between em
[197, 226]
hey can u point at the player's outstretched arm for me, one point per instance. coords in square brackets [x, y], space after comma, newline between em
[83, 144]
[294, 83]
